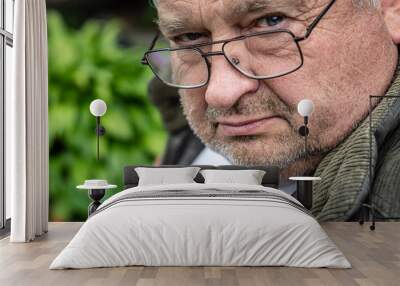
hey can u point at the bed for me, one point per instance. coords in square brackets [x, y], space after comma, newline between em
[201, 223]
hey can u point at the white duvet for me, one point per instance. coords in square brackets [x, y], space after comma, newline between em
[200, 231]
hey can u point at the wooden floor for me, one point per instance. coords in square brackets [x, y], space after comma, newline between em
[375, 256]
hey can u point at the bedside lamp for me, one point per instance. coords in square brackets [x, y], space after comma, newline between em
[98, 108]
[97, 188]
[304, 191]
[305, 108]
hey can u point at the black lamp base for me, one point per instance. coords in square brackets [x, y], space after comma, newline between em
[96, 195]
[304, 193]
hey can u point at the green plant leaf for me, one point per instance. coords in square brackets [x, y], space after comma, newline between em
[85, 64]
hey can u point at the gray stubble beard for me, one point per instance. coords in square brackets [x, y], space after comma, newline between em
[282, 150]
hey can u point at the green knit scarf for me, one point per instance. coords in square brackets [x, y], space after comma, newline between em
[345, 169]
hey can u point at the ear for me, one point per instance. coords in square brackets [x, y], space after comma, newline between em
[391, 14]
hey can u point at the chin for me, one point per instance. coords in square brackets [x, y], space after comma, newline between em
[259, 150]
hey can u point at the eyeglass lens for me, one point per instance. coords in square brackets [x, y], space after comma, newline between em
[257, 56]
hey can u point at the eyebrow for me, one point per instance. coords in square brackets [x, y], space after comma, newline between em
[174, 24]
[251, 6]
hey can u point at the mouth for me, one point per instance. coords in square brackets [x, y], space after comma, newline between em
[246, 127]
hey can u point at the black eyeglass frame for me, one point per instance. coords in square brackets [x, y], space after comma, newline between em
[197, 47]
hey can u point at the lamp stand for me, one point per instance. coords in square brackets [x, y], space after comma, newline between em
[304, 131]
[100, 131]
[368, 209]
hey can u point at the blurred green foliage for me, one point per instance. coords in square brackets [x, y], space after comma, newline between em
[86, 64]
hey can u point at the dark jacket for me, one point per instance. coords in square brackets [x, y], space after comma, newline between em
[183, 145]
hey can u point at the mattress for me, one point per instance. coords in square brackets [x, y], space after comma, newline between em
[201, 225]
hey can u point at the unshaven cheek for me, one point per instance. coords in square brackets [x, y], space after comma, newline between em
[194, 108]
[193, 102]
[308, 84]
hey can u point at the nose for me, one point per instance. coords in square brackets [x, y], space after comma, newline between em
[227, 84]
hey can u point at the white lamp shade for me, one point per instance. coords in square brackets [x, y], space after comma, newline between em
[305, 107]
[98, 107]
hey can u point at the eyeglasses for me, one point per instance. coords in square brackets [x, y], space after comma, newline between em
[271, 54]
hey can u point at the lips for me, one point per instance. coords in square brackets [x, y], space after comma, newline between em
[246, 127]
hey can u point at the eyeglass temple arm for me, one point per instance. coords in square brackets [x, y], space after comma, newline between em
[316, 21]
[153, 43]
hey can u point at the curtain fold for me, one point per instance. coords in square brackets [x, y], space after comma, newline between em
[27, 121]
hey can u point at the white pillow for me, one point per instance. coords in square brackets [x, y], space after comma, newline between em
[248, 177]
[162, 176]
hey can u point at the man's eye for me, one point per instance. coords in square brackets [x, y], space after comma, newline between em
[189, 37]
[270, 21]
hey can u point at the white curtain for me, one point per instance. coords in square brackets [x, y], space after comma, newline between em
[27, 148]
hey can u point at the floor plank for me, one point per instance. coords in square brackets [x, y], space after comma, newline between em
[374, 255]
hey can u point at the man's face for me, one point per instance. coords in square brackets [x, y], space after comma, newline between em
[349, 56]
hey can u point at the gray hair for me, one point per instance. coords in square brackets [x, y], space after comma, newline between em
[358, 3]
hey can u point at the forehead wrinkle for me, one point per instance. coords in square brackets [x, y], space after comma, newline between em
[179, 18]
[250, 6]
